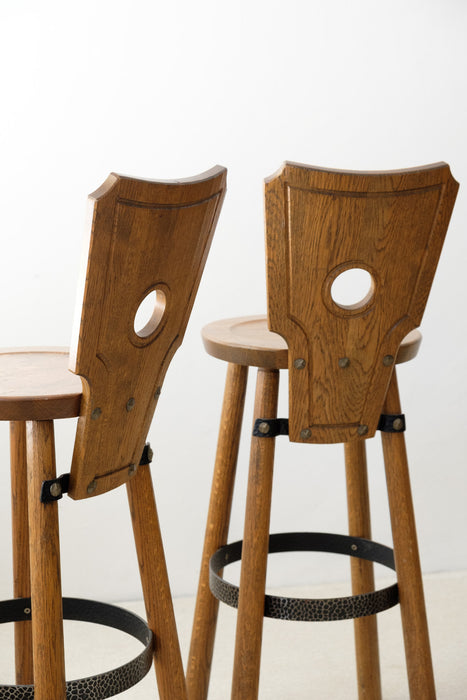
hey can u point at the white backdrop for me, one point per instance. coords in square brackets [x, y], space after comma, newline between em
[168, 89]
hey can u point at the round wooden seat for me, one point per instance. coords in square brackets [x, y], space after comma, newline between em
[36, 384]
[248, 341]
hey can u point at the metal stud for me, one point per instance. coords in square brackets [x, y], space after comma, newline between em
[362, 429]
[305, 434]
[299, 363]
[130, 404]
[96, 413]
[263, 428]
[353, 547]
[27, 611]
[92, 486]
[398, 424]
[55, 489]
[343, 362]
[388, 360]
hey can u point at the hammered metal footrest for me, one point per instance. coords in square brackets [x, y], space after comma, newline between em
[103, 685]
[305, 609]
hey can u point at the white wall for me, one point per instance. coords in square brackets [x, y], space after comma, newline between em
[167, 89]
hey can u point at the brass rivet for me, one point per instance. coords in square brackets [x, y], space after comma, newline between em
[397, 424]
[132, 469]
[299, 363]
[362, 429]
[96, 413]
[343, 362]
[55, 489]
[92, 486]
[353, 547]
[388, 360]
[305, 434]
[263, 428]
[27, 611]
[130, 404]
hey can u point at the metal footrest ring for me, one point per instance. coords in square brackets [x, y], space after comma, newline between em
[103, 685]
[311, 609]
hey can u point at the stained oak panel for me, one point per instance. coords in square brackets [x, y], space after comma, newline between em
[144, 237]
[319, 224]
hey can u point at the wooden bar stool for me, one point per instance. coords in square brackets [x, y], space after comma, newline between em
[320, 226]
[148, 243]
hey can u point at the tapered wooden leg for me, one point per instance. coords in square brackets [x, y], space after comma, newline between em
[205, 618]
[255, 547]
[363, 580]
[46, 594]
[155, 584]
[20, 534]
[412, 602]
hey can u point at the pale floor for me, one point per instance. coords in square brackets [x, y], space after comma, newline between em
[300, 660]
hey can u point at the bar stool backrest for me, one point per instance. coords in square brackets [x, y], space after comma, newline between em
[321, 224]
[148, 239]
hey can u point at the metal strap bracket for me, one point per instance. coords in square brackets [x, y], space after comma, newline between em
[53, 489]
[147, 456]
[270, 427]
[392, 423]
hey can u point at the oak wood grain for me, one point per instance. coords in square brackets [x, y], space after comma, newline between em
[217, 527]
[245, 681]
[362, 571]
[407, 558]
[320, 223]
[35, 384]
[144, 236]
[46, 595]
[156, 588]
[20, 549]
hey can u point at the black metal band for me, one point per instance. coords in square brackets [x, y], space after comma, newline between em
[270, 427]
[392, 423]
[304, 609]
[98, 687]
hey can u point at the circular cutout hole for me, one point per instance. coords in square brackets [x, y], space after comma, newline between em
[353, 288]
[149, 313]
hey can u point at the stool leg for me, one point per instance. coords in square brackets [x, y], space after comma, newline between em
[205, 618]
[20, 534]
[255, 547]
[412, 602]
[363, 580]
[155, 584]
[46, 594]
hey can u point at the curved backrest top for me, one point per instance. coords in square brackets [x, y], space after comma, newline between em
[320, 224]
[148, 242]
